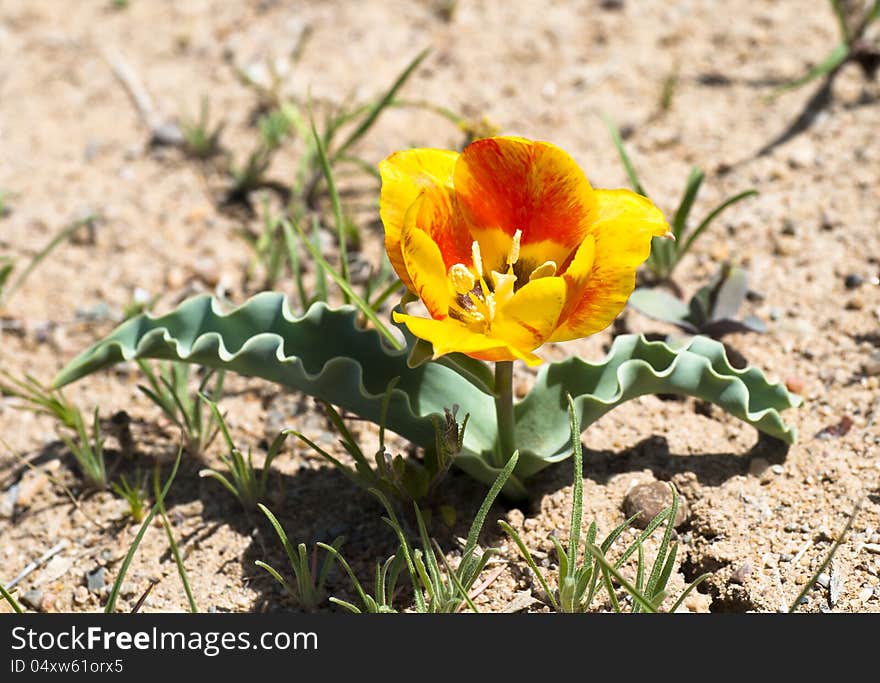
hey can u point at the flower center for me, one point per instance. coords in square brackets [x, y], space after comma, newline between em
[478, 296]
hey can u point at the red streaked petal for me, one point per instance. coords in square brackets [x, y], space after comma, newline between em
[625, 225]
[507, 183]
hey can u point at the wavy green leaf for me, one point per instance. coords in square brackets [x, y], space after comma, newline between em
[324, 353]
[635, 367]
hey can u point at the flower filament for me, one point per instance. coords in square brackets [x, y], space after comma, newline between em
[477, 297]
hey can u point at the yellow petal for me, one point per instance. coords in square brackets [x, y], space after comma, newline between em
[623, 229]
[404, 175]
[529, 318]
[451, 336]
[424, 265]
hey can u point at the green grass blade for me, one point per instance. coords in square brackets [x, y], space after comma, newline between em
[320, 271]
[808, 586]
[347, 605]
[43, 253]
[652, 526]
[527, 556]
[181, 569]
[480, 517]
[285, 542]
[687, 591]
[837, 56]
[213, 474]
[624, 157]
[12, 601]
[275, 575]
[352, 296]
[290, 242]
[374, 111]
[840, 15]
[609, 568]
[660, 560]
[394, 286]
[707, 221]
[110, 607]
[338, 219]
[348, 570]
[691, 190]
[328, 563]
[362, 164]
[577, 505]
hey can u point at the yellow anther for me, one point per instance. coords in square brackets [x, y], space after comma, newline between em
[546, 269]
[462, 278]
[478, 259]
[513, 256]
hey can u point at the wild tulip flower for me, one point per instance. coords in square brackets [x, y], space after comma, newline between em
[508, 246]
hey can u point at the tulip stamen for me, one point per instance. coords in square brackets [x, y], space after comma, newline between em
[462, 278]
[477, 257]
[513, 256]
[546, 269]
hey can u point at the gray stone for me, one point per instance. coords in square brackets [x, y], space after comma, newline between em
[33, 598]
[649, 500]
[95, 580]
[740, 574]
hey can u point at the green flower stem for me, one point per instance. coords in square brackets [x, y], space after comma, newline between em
[504, 410]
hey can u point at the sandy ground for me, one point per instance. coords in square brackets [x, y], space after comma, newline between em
[761, 519]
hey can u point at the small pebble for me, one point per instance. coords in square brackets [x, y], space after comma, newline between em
[866, 593]
[871, 367]
[777, 469]
[795, 384]
[649, 500]
[853, 280]
[757, 466]
[80, 595]
[95, 580]
[785, 557]
[823, 580]
[740, 574]
[33, 598]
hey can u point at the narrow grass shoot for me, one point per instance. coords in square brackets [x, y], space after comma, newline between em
[7, 595]
[87, 449]
[134, 493]
[307, 590]
[851, 46]
[201, 137]
[829, 556]
[665, 253]
[580, 580]
[351, 296]
[8, 284]
[168, 386]
[405, 479]
[4, 203]
[437, 586]
[384, 585]
[172, 543]
[242, 478]
[269, 254]
[110, 607]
